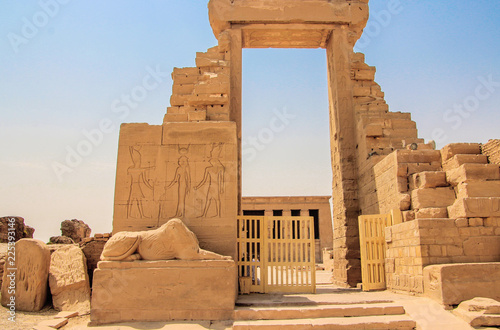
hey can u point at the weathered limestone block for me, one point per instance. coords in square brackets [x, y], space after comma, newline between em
[475, 207]
[450, 284]
[173, 240]
[68, 280]
[482, 246]
[428, 180]
[20, 229]
[432, 197]
[478, 189]
[61, 240]
[432, 213]
[163, 291]
[93, 250]
[224, 12]
[458, 160]
[197, 115]
[453, 149]
[32, 259]
[473, 172]
[492, 150]
[479, 312]
[75, 229]
[418, 156]
[175, 117]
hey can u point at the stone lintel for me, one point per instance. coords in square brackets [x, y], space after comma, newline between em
[225, 14]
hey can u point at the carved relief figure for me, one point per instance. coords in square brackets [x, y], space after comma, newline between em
[139, 180]
[214, 179]
[173, 240]
[182, 177]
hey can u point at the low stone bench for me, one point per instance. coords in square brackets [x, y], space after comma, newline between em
[169, 290]
[450, 284]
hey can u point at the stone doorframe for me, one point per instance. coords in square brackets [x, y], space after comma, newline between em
[334, 26]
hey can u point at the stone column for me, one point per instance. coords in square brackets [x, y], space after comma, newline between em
[347, 268]
[236, 55]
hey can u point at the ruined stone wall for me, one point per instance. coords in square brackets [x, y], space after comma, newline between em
[202, 93]
[415, 244]
[451, 210]
[492, 150]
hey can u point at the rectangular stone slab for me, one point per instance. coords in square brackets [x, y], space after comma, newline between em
[450, 284]
[170, 290]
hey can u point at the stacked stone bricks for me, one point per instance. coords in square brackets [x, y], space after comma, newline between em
[456, 207]
[201, 93]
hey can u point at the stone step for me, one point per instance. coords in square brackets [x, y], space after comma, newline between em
[331, 323]
[322, 311]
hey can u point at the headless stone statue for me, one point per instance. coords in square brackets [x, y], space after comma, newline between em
[173, 240]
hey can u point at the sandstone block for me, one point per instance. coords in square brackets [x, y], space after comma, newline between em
[458, 160]
[189, 71]
[453, 149]
[75, 229]
[482, 246]
[92, 251]
[68, 280]
[207, 99]
[473, 172]
[428, 180]
[492, 150]
[423, 167]
[61, 240]
[182, 89]
[177, 100]
[450, 284]
[432, 212]
[218, 117]
[478, 189]
[479, 312]
[475, 207]
[175, 118]
[373, 130]
[197, 115]
[177, 290]
[20, 229]
[30, 271]
[432, 197]
[211, 87]
[418, 156]
[365, 74]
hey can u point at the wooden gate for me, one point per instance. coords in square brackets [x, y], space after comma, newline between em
[373, 246]
[277, 253]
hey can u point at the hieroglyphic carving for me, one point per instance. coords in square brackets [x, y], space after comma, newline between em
[182, 177]
[214, 179]
[139, 177]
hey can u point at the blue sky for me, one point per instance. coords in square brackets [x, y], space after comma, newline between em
[67, 75]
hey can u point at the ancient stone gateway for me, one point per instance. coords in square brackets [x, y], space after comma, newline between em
[190, 167]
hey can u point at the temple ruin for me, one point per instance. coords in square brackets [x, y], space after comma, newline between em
[190, 167]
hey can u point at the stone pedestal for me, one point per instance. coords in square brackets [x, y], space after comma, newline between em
[170, 290]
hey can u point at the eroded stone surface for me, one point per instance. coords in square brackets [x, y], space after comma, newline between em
[68, 280]
[163, 291]
[32, 259]
[75, 229]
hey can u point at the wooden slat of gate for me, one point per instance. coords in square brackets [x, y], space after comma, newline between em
[250, 244]
[289, 260]
[372, 248]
